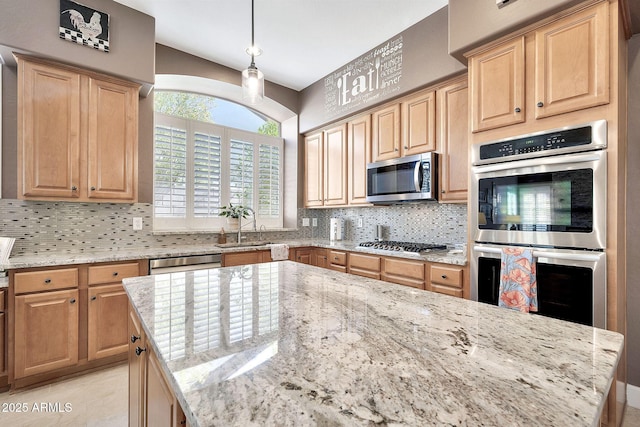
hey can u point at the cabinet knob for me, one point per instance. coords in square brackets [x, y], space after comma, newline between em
[395, 149]
[134, 338]
[93, 188]
[406, 147]
[74, 188]
[47, 281]
[518, 109]
[93, 298]
[72, 301]
[115, 273]
[540, 104]
[442, 191]
[444, 276]
[140, 350]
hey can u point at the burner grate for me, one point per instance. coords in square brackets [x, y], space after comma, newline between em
[391, 245]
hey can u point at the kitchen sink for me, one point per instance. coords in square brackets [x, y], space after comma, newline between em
[242, 244]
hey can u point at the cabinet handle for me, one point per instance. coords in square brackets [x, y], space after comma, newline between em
[93, 188]
[395, 149]
[115, 273]
[74, 188]
[442, 191]
[406, 147]
[73, 301]
[540, 104]
[134, 338]
[93, 298]
[518, 109]
[140, 350]
[444, 276]
[47, 281]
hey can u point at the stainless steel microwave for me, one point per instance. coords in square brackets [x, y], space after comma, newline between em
[411, 178]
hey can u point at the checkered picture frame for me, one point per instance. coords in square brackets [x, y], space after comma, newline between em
[78, 38]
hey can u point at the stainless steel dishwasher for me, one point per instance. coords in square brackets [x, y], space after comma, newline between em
[184, 263]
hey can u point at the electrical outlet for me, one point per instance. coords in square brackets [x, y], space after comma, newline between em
[314, 222]
[360, 222]
[137, 223]
[305, 222]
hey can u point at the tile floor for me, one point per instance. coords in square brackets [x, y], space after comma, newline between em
[100, 399]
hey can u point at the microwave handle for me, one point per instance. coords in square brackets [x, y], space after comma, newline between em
[417, 176]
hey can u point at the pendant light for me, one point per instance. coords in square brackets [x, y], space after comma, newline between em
[252, 78]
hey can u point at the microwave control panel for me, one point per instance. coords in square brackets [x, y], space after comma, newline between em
[536, 143]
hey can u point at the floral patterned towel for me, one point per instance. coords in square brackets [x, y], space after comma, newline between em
[518, 287]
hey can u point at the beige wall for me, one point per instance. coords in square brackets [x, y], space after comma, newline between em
[633, 216]
[473, 23]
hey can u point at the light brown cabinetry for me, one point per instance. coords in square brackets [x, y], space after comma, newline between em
[337, 260]
[570, 64]
[359, 154]
[418, 113]
[4, 376]
[385, 139]
[302, 255]
[77, 134]
[446, 279]
[403, 272]
[151, 400]
[314, 170]
[46, 332]
[326, 168]
[248, 257]
[319, 257]
[453, 140]
[365, 265]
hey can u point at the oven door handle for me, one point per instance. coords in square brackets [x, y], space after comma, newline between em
[552, 160]
[545, 254]
[417, 176]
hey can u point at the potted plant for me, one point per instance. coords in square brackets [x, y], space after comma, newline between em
[233, 214]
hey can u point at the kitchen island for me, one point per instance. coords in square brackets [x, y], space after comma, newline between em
[289, 344]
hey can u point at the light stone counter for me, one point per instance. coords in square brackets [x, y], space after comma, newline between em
[287, 344]
[125, 254]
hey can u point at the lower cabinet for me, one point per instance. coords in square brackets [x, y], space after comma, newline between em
[447, 279]
[107, 321]
[46, 332]
[404, 272]
[337, 260]
[151, 401]
[4, 375]
[364, 265]
[243, 258]
[319, 257]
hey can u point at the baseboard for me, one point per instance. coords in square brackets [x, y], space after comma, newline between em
[633, 396]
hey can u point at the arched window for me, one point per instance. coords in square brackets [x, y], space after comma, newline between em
[209, 153]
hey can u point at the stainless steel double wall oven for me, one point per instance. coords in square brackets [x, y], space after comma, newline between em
[546, 191]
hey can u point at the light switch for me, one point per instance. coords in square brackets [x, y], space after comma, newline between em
[314, 222]
[137, 223]
[305, 222]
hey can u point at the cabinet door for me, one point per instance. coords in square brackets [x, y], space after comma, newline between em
[386, 133]
[46, 332]
[160, 404]
[48, 131]
[572, 62]
[359, 143]
[3, 334]
[335, 166]
[453, 141]
[112, 141]
[497, 79]
[419, 123]
[319, 257]
[313, 171]
[244, 258]
[107, 327]
[137, 363]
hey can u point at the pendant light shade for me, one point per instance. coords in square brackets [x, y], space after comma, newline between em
[252, 78]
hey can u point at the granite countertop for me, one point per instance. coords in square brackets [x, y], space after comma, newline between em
[125, 254]
[289, 344]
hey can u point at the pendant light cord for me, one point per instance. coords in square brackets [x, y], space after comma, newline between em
[253, 45]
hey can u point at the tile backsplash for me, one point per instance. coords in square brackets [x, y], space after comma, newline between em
[67, 227]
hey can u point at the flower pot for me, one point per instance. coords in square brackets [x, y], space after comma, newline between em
[233, 223]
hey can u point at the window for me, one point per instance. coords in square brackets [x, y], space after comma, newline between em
[201, 166]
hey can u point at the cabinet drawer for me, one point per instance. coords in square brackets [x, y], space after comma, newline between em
[338, 258]
[454, 292]
[2, 294]
[404, 268]
[46, 280]
[449, 276]
[112, 273]
[364, 262]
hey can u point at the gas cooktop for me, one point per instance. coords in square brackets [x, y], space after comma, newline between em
[390, 245]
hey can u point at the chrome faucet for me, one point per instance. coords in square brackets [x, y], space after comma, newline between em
[253, 215]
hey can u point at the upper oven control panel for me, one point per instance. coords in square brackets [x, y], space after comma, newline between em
[571, 139]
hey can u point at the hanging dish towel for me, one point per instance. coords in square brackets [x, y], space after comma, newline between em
[518, 287]
[279, 252]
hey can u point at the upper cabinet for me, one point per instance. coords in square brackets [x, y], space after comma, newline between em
[326, 168]
[77, 134]
[358, 155]
[453, 140]
[406, 128]
[569, 61]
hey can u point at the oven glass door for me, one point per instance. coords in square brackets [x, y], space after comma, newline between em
[564, 292]
[548, 201]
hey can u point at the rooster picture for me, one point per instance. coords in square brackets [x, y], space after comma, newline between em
[91, 29]
[83, 25]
